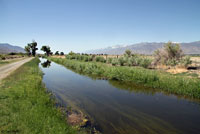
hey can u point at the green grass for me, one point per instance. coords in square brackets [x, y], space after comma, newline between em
[26, 107]
[195, 75]
[181, 85]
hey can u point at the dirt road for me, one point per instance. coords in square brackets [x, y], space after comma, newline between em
[5, 70]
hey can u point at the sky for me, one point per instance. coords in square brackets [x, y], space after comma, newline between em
[80, 25]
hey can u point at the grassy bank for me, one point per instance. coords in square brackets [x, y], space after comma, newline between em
[189, 87]
[26, 107]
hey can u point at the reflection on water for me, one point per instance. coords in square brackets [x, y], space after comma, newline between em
[46, 64]
[123, 108]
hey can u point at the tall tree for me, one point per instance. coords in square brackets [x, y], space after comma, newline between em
[28, 50]
[34, 47]
[46, 49]
[31, 48]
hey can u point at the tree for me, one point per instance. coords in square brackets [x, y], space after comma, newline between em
[46, 49]
[57, 53]
[31, 48]
[170, 54]
[173, 50]
[34, 47]
[28, 50]
[72, 53]
[61, 53]
[128, 53]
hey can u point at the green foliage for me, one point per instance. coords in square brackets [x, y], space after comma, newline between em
[31, 48]
[28, 50]
[61, 53]
[57, 53]
[186, 61]
[171, 54]
[100, 59]
[2, 57]
[167, 82]
[145, 63]
[127, 53]
[26, 107]
[73, 56]
[114, 61]
[172, 62]
[71, 53]
[46, 49]
[109, 60]
[122, 61]
[173, 50]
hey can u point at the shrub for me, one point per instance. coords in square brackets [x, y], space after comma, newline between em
[109, 60]
[122, 61]
[127, 53]
[172, 62]
[2, 57]
[137, 61]
[145, 63]
[186, 61]
[170, 54]
[114, 61]
[130, 61]
[100, 59]
[87, 58]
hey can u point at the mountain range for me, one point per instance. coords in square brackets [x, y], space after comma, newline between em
[146, 48]
[6, 48]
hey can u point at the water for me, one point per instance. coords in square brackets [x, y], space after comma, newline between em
[123, 108]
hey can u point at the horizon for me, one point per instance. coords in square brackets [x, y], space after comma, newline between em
[80, 26]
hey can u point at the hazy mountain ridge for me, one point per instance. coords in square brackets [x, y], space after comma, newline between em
[146, 48]
[6, 48]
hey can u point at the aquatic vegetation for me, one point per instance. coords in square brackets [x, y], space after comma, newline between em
[180, 85]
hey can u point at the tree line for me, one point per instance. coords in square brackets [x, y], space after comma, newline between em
[31, 49]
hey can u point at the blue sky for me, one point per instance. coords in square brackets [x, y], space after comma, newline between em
[81, 25]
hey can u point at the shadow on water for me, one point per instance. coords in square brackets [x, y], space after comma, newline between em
[122, 107]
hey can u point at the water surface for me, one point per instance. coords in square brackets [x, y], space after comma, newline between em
[122, 108]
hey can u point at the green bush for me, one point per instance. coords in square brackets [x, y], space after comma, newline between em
[114, 61]
[122, 61]
[145, 63]
[186, 61]
[2, 57]
[172, 62]
[109, 60]
[100, 59]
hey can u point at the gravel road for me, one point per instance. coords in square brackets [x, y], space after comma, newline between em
[5, 70]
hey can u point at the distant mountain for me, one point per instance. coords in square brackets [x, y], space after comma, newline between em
[7, 48]
[146, 48]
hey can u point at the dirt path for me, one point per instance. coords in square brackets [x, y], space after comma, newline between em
[5, 70]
